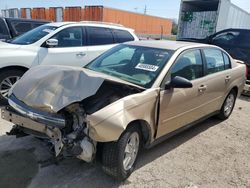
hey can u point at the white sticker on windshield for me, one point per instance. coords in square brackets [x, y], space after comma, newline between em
[147, 67]
[47, 30]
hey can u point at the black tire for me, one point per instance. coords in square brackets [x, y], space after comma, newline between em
[223, 115]
[114, 152]
[5, 74]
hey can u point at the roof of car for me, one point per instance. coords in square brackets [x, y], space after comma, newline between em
[92, 23]
[165, 44]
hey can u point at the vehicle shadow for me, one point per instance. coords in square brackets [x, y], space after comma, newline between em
[73, 172]
[175, 141]
[245, 98]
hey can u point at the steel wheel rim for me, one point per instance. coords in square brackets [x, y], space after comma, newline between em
[6, 84]
[229, 104]
[131, 151]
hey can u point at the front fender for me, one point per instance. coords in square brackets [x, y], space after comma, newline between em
[109, 123]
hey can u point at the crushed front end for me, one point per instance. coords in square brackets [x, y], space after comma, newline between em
[66, 130]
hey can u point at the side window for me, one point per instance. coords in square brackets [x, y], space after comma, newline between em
[227, 61]
[99, 36]
[69, 37]
[214, 60]
[188, 65]
[226, 38]
[122, 36]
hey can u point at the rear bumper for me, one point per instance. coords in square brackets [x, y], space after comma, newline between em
[18, 119]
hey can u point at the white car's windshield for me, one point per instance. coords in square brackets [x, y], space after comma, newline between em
[34, 35]
[136, 64]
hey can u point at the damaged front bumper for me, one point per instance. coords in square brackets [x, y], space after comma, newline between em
[36, 115]
[25, 123]
[68, 139]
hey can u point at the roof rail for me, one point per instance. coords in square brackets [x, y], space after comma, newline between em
[100, 22]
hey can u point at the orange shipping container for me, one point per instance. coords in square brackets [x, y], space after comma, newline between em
[93, 13]
[56, 14]
[26, 13]
[142, 24]
[38, 13]
[72, 14]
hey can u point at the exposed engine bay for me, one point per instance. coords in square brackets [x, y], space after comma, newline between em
[70, 139]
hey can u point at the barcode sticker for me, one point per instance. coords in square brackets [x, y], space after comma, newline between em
[147, 67]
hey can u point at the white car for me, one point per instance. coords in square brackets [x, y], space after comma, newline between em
[64, 43]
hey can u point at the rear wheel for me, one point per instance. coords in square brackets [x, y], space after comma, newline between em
[119, 158]
[228, 105]
[7, 79]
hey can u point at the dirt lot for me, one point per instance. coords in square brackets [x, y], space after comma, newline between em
[212, 154]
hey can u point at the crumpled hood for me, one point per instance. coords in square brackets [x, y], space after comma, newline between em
[51, 88]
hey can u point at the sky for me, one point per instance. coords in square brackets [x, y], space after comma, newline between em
[162, 8]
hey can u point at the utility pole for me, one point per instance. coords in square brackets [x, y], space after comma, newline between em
[145, 9]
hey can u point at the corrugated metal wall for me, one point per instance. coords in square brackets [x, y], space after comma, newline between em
[93, 13]
[203, 22]
[25, 13]
[39, 13]
[73, 14]
[142, 24]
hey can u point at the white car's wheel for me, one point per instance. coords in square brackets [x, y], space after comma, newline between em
[119, 158]
[7, 79]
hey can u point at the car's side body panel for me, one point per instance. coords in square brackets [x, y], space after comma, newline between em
[108, 123]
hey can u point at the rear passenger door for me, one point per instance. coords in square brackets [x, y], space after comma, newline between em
[71, 49]
[218, 76]
[99, 40]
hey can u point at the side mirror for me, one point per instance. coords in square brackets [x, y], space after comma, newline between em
[178, 82]
[52, 43]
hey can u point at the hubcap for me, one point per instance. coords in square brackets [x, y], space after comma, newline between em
[6, 84]
[131, 151]
[229, 104]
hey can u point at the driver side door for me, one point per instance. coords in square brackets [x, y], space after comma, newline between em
[71, 49]
[179, 107]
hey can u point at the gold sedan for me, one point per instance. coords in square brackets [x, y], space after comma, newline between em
[134, 95]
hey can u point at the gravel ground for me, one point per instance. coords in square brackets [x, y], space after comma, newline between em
[211, 154]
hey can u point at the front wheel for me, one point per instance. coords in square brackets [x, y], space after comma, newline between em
[119, 158]
[7, 79]
[228, 105]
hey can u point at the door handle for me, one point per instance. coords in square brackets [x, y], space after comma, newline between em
[202, 88]
[80, 54]
[227, 78]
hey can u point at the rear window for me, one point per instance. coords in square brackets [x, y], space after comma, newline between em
[122, 36]
[99, 36]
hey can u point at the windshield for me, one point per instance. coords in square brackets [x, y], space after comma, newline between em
[136, 64]
[33, 35]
